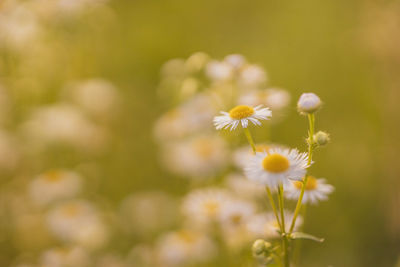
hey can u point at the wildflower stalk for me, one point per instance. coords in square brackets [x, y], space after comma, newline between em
[285, 241]
[297, 249]
[271, 200]
[310, 141]
[269, 194]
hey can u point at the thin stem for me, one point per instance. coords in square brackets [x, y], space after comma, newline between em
[272, 202]
[285, 243]
[250, 139]
[311, 121]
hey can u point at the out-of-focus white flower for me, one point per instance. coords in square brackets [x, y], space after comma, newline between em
[19, 26]
[243, 187]
[203, 206]
[78, 222]
[55, 185]
[147, 212]
[77, 6]
[97, 96]
[276, 166]
[185, 247]
[219, 70]
[64, 124]
[264, 225]
[252, 76]
[274, 98]
[235, 60]
[192, 116]
[65, 257]
[315, 190]
[308, 103]
[241, 115]
[236, 212]
[196, 62]
[198, 157]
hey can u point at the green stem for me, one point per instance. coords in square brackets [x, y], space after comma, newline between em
[250, 139]
[285, 241]
[311, 121]
[272, 202]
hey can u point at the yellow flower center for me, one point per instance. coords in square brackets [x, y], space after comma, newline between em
[241, 112]
[236, 218]
[53, 176]
[204, 148]
[211, 208]
[187, 236]
[275, 163]
[71, 210]
[312, 183]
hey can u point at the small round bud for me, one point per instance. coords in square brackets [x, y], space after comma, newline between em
[308, 103]
[321, 138]
[260, 247]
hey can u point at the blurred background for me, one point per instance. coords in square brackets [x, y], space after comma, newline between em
[81, 90]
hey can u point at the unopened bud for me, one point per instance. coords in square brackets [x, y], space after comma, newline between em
[308, 103]
[260, 247]
[321, 138]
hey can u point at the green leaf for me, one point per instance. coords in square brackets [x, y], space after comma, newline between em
[300, 235]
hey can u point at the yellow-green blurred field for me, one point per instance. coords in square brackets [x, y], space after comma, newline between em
[347, 52]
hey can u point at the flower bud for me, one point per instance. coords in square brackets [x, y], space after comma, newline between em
[260, 247]
[321, 138]
[308, 103]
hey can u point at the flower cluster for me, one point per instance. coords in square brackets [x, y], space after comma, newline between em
[228, 182]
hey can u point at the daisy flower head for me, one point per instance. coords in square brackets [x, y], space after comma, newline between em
[315, 190]
[55, 185]
[184, 247]
[308, 103]
[203, 206]
[241, 115]
[276, 166]
[236, 212]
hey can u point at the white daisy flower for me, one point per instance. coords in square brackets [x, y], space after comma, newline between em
[197, 157]
[252, 76]
[55, 185]
[316, 190]
[235, 60]
[276, 166]
[64, 124]
[77, 222]
[205, 205]
[148, 212]
[241, 115]
[65, 257]
[236, 212]
[190, 117]
[265, 225]
[184, 247]
[97, 97]
[243, 154]
[219, 71]
[243, 187]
